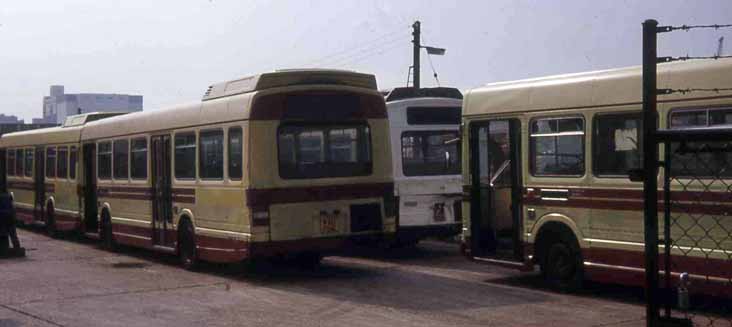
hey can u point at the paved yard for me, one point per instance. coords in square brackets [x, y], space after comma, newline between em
[74, 283]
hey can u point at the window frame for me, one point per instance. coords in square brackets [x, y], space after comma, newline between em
[48, 166]
[325, 127]
[428, 133]
[114, 159]
[707, 109]
[532, 150]
[147, 157]
[228, 153]
[8, 170]
[595, 139]
[199, 154]
[98, 162]
[73, 153]
[195, 155]
[58, 161]
[20, 162]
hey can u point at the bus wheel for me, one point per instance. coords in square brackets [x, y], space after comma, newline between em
[308, 260]
[51, 222]
[187, 246]
[562, 265]
[106, 233]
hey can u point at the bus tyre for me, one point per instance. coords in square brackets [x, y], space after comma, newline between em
[308, 260]
[562, 265]
[51, 229]
[106, 233]
[187, 246]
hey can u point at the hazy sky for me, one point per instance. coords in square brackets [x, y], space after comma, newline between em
[171, 50]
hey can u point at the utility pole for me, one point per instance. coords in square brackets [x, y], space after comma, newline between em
[650, 163]
[720, 46]
[417, 48]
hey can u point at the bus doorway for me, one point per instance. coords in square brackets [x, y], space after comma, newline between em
[39, 185]
[91, 220]
[495, 215]
[163, 233]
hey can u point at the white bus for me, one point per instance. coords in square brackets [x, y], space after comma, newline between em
[425, 128]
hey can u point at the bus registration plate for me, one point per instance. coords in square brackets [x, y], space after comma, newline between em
[438, 212]
[328, 223]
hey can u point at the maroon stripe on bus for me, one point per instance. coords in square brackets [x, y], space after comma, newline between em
[273, 107]
[264, 197]
[636, 194]
[126, 189]
[696, 208]
[184, 191]
[184, 199]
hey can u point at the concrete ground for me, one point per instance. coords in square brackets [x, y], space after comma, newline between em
[74, 283]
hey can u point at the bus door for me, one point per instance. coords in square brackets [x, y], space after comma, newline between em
[91, 219]
[162, 202]
[3, 172]
[496, 203]
[39, 184]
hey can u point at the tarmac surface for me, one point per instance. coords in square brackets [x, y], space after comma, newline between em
[72, 282]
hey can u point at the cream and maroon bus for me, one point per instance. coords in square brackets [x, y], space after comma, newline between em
[41, 173]
[293, 162]
[546, 175]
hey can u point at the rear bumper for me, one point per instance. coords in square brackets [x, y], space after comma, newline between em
[406, 233]
[231, 251]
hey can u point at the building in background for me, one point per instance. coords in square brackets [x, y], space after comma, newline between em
[10, 119]
[10, 123]
[58, 105]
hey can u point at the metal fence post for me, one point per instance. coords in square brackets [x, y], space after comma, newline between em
[650, 167]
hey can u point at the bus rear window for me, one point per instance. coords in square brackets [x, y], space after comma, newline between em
[310, 151]
[427, 153]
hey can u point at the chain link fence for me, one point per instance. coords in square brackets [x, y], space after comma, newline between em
[697, 231]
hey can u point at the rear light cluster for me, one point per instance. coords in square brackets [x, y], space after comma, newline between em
[260, 217]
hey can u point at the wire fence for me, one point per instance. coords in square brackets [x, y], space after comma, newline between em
[695, 268]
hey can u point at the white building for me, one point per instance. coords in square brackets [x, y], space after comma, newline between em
[58, 105]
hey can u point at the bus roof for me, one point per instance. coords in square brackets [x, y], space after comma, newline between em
[290, 77]
[231, 105]
[622, 86]
[401, 93]
[69, 132]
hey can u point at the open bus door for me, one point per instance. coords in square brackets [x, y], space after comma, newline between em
[163, 233]
[39, 185]
[89, 193]
[495, 210]
[3, 172]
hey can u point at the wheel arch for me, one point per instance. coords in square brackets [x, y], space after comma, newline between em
[551, 227]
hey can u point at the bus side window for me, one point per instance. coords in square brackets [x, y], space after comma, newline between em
[616, 145]
[211, 154]
[557, 147]
[235, 153]
[138, 160]
[10, 164]
[708, 163]
[121, 159]
[73, 158]
[104, 160]
[19, 162]
[28, 163]
[62, 162]
[50, 162]
[185, 156]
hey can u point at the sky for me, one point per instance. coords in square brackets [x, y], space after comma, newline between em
[170, 51]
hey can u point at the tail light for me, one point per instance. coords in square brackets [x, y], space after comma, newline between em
[260, 217]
